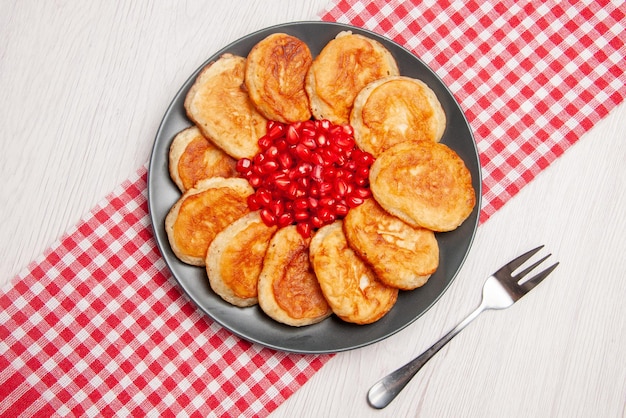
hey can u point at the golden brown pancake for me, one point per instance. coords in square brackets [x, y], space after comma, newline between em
[202, 212]
[288, 290]
[220, 106]
[275, 71]
[393, 110]
[424, 183]
[351, 288]
[235, 259]
[401, 255]
[344, 66]
[193, 158]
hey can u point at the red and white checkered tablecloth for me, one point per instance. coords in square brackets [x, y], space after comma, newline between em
[96, 326]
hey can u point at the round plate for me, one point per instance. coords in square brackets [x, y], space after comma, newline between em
[332, 334]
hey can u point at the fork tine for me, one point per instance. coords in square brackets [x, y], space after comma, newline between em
[528, 269]
[532, 282]
[509, 267]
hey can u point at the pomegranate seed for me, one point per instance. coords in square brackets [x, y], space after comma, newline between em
[301, 215]
[304, 228]
[304, 182]
[253, 202]
[304, 169]
[264, 196]
[285, 219]
[259, 159]
[316, 222]
[303, 152]
[341, 209]
[276, 131]
[341, 187]
[277, 207]
[362, 172]
[272, 152]
[255, 180]
[292, 137]
[361, 192]
[361, 182]
[321, 140]
[282, 182]
[325, 188]
[354, 201]
[243, 165]
[265, 142]
[317, 159]
[318, 172]
[344, 141]
[309, 142]
[281, 144]
[301, 203]
[268, 217]
[269, 167]
[285, 160]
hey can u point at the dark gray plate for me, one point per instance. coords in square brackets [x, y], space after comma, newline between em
[331, 335]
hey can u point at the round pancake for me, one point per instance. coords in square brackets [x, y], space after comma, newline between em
[401, 255]
[393, 110]
[202, 212]
[235, 258]
[288, 290]
[424, 183]
[275, 71]
[193, 158]
[345, 66]
[219, 105]
[351, 288]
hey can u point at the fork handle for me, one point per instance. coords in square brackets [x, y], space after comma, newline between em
[385, 390]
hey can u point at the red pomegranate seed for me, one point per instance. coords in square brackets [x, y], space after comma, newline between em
[354, 201]
[316, 222]
[285, 160]
[269, 167]
[265, 142]
[285, 219]
[268, 217]
[292, 137]
[243, 165]
[341, 209]
[276, 131]
[304, 228]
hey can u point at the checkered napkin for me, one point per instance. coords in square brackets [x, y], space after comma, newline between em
[96, 325]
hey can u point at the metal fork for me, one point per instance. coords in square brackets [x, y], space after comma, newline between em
[501, 290]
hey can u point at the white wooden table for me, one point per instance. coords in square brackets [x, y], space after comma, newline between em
[84, 86]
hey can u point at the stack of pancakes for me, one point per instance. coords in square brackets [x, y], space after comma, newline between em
[354, 267]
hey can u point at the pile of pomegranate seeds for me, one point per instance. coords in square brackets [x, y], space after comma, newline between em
[307, 173]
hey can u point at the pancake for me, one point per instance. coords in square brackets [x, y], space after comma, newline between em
[393, 110]
[193, 158]
[288, 290]
[202, 212]
[235, 258]
[424, 183]
[219, 105]
[351, 288]
[345, 66]
[275, 71]
[401, 255]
